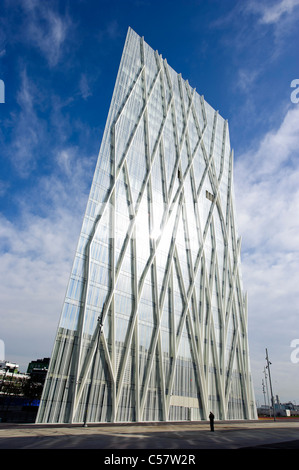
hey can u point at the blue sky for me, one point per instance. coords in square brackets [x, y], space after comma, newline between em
[58, 61]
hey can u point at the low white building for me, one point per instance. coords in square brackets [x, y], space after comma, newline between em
[10, 369]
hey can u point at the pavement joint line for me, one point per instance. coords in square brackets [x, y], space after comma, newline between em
[174, 435]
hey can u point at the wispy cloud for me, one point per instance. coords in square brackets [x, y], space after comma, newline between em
[246, 79]
[34, 269]
[276, 148]
[267, 187]
[260, 34]
[84, 87]
[41, 125]
[26, 127]
[272, 14]
[36, 252]
[112, 31]
[2, 37]
[46, 29]
[282, 17]
[4, 185]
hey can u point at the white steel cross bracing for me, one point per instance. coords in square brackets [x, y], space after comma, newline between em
[206, 271]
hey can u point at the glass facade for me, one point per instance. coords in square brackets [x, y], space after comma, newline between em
[154, 323]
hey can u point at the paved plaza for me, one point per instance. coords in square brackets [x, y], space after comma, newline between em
[261, 434]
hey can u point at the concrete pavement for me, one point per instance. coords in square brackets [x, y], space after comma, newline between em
[173, 436]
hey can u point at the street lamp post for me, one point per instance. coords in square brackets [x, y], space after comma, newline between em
[272, 398]
[267, 391]
[264, 392]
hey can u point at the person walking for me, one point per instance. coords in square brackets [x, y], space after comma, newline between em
[211, 418]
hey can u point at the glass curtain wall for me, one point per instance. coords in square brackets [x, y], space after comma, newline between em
[154, 323]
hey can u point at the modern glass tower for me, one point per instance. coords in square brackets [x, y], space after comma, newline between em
[154, 323]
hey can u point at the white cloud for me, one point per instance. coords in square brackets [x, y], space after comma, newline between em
[261, 21]
[246, 78]
[34, 270]
[272, 13]
[267, 188]
[84, 87]
[46, 29]
[268, 176]
[27, 127]
[282, 16]
[36, 253]
[40, 126]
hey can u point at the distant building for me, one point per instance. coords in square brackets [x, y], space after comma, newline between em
[38, 364]
[154, 324]
[280, 409]
[9, 367]
[9, 372]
